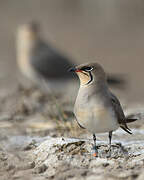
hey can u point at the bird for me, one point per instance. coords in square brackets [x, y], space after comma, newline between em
[96, 108]
[37, 60]
[40, 62]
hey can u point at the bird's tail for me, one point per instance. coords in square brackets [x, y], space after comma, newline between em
[130, 120]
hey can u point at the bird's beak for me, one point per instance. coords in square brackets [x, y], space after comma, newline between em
[73, 69]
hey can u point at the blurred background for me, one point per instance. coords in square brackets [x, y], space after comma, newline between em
[109, 32]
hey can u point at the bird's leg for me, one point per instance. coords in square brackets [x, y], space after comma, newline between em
[95, 154]
[110, 138]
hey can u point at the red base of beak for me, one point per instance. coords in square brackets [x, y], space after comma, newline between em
[78, 70]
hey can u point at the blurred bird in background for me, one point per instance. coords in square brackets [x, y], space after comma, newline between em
[43, 64]
[37, 60]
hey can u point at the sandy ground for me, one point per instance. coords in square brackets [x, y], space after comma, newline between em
[38, 134]
[40, 140]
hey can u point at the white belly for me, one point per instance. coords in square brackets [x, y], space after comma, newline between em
[97, 120]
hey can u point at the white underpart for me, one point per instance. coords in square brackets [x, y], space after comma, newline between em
[94, 111]
[97, 120]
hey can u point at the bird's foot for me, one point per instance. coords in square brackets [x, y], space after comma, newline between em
[95, 151]
[109, 152]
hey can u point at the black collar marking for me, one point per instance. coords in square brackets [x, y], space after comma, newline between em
[91, 78]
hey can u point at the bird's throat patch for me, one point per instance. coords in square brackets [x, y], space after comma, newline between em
[85, 77]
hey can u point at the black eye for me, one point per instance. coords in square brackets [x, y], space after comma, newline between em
[87, 68]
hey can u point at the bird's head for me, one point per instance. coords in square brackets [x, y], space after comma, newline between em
[29, 33]
[89, 73]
